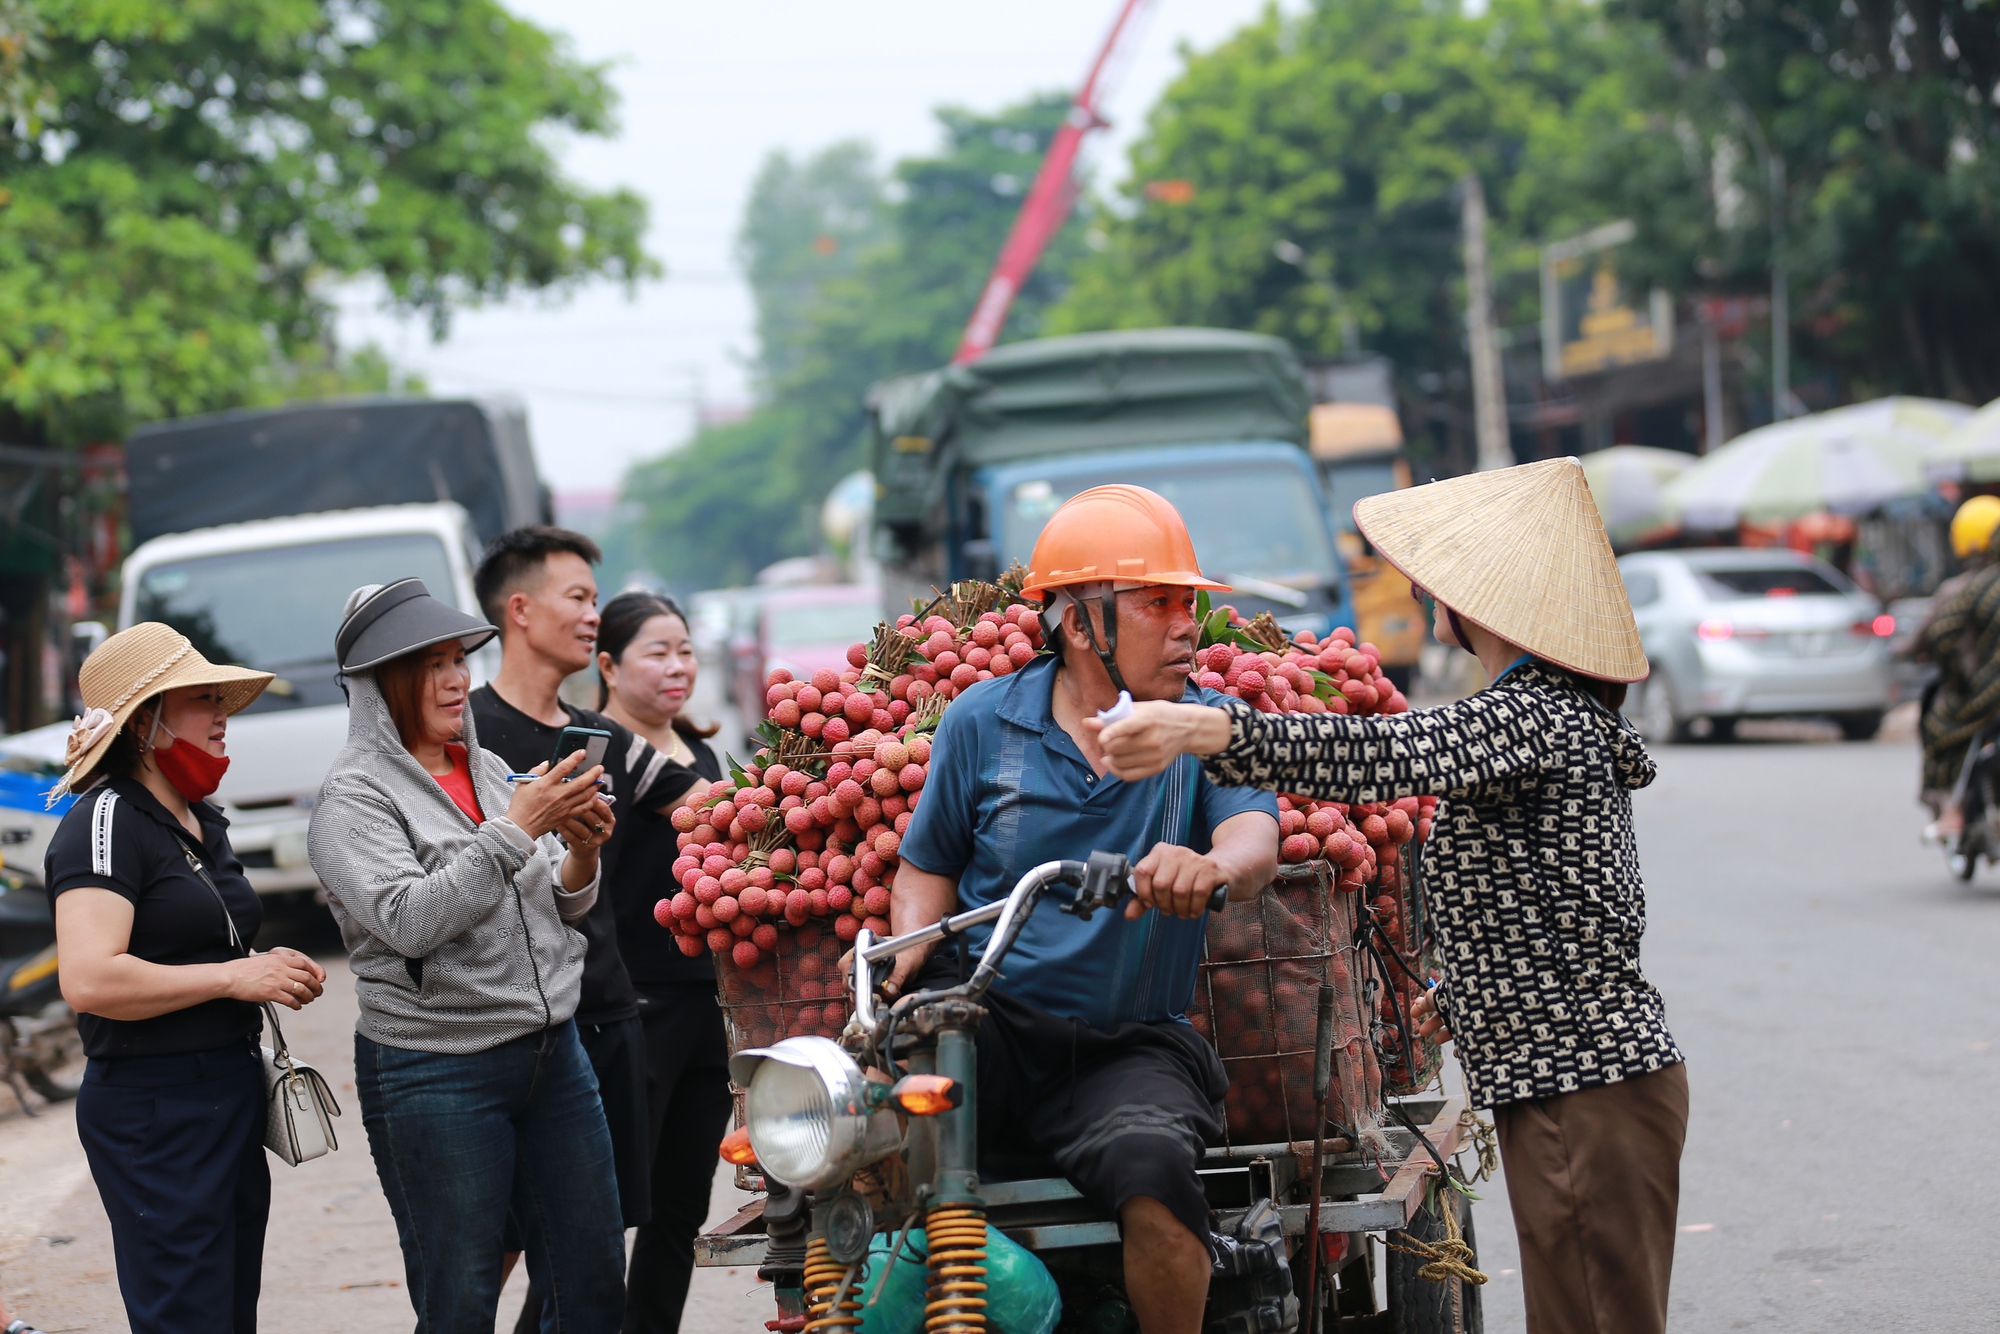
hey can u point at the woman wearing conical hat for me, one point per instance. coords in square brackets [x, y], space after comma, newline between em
[1531, 873]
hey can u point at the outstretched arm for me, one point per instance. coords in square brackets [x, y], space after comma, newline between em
[1331, 756]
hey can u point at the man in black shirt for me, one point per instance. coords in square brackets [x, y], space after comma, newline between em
[536, 585]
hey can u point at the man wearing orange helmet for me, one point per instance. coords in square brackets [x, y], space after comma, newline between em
[1086, 1063]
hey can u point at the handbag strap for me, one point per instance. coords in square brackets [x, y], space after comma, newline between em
[270, 1015]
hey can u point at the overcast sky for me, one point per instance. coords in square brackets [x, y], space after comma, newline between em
[706, 91]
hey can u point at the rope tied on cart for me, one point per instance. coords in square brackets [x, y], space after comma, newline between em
[1484, 1139]
[1443, 1260]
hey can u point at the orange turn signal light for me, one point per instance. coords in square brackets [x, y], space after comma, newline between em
[736, 1148]
[927, 1095]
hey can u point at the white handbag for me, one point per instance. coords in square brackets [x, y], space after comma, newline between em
[299, 1103]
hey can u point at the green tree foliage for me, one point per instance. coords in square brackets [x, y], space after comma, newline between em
[1884, 115]
[835, 319]
[1305, 173]
[809, 223]
[180, 178]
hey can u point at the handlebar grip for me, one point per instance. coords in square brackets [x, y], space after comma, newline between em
[1219, 899]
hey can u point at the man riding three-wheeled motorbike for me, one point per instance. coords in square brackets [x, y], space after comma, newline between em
[1085, 1067]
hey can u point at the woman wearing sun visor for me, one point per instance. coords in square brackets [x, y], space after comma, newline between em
[453, 889]
[1532, 873]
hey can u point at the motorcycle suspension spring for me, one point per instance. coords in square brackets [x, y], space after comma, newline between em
[956, 1237]
[824, 1275]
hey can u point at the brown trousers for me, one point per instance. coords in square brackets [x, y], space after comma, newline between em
[1595, 1181]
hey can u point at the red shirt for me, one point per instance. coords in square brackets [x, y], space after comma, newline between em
[458, 784]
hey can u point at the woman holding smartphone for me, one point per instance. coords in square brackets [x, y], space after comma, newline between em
[454, 891]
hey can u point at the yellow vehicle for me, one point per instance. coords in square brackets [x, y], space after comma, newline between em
[1359, 450]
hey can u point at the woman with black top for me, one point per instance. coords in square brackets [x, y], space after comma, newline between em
[648, 668]
[171, 1113]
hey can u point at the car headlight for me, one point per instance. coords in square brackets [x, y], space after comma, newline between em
[811, 1116]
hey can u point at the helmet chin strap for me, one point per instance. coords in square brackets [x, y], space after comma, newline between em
[1107, 649]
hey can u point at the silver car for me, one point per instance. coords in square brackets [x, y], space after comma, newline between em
[1754, 633]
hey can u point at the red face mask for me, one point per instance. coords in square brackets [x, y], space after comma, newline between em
[190, 768]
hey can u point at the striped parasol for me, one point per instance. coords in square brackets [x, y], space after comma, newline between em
[1629, 483]
[1971, 452]
[1848, 460]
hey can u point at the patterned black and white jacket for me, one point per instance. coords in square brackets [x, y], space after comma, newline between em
[1531, 872]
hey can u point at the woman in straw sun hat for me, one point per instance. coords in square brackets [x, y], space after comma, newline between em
[1532, 872]
[172, 1112]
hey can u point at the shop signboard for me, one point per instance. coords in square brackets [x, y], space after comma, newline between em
[1591, 320]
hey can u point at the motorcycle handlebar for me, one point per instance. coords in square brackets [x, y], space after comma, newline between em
[1111, 869]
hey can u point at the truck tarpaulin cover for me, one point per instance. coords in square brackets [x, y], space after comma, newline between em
[235, 466]
[1078, 394]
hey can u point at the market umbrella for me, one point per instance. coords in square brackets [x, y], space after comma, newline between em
[1971, 452]
[1628, 483]
[1848, 461]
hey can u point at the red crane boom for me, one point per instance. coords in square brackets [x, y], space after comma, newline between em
[1047, 205]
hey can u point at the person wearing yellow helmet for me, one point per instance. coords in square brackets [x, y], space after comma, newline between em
[1961, 639]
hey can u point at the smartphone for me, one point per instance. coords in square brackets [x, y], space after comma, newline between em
[592, 741]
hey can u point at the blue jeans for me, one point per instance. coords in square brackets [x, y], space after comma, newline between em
[461, 1140]
[176, 1146]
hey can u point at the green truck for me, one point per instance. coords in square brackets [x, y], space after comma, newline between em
[971, 460]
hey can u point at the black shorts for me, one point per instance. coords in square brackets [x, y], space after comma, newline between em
[1121, 1112]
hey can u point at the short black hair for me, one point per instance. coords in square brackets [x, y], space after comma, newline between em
[516, 555]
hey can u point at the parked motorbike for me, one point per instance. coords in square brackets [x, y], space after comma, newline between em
[867, 1150]
[40, 1048]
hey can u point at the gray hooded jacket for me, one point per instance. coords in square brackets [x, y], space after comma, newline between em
[457, 933]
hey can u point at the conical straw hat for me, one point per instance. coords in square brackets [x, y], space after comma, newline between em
[1520, 551]
[130, 668]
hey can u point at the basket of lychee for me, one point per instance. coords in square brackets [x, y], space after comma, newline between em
[1341, 911]
[784, 862]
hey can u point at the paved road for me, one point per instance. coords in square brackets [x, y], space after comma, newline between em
[1831, 985]
[332, 1263]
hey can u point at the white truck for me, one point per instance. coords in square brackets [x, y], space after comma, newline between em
[266, 590]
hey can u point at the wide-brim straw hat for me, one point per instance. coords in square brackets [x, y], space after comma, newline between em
[385, 621]
[130, 668]
[1521, 552]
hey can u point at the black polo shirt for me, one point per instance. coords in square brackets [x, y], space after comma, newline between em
[640, 778]
[645, 876]
[119, 837]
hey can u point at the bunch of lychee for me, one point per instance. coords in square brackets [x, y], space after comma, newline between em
[1308, 676]
[781, 866]
[844, 824]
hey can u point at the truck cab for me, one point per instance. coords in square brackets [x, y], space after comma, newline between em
[971, 460]
[1359, 450]
[1253, 508]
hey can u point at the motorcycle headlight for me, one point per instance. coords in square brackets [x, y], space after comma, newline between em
[812, 1122]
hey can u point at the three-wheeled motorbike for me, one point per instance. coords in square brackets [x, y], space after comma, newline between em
[876, 1216]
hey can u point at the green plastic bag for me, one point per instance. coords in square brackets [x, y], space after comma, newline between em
[1021, 1295]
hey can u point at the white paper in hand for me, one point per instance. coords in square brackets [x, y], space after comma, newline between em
[1118, 712]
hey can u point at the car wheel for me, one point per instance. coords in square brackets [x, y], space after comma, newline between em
[1656, 717]
[1860, 726]
[1721, 729]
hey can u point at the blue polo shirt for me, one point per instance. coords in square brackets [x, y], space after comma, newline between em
[1007, 790]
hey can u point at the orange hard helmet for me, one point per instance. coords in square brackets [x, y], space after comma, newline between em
[1125, 534]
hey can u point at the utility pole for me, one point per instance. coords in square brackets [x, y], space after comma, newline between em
[1489, 390]
[1711, 382]
[1781, 299]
